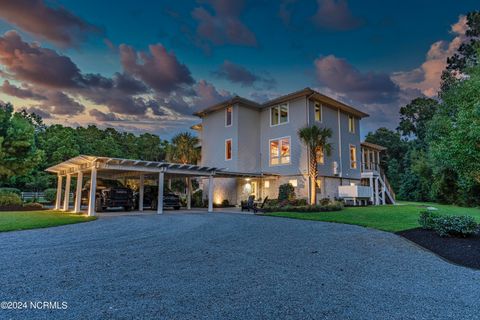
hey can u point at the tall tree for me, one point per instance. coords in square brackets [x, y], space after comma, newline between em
[414, 118]
[316, 139]
[184, 148]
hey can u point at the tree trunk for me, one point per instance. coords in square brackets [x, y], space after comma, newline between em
[313, 173]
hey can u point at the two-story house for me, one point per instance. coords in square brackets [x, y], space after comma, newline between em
[259, 144]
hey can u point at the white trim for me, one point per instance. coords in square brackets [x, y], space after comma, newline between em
[315, 112]
[279, 151]
[231, 149]
[278, 106]
[350, 146]
[231, 117]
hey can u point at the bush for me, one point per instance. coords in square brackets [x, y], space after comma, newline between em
[50, 194]
[457, 226]
[324, 201]
[10, 190]
[197, 199]
[333, 206]
[286, 192]
[427, 219]
[225, 203]
[33, 206]
[10, 199]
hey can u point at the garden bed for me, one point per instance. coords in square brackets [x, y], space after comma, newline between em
[462, 251]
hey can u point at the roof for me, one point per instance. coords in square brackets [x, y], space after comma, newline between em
[307, 92]
[373, 146]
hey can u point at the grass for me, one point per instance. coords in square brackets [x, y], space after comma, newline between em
[387, 218]
[22, 220]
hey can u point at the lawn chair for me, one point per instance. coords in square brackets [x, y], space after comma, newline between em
[256, 208]
[249, 204]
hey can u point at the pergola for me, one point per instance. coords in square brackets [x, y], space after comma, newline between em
[124, 168]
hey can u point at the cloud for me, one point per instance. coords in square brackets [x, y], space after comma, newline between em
[427, 77]
[335, 15]
[101, 116]
[60, 103]
[55, 24]
[241, 75]
[39, 112]
[340, 76]
[284, 11]
[23, 93]
[224, 25]
[159, 69]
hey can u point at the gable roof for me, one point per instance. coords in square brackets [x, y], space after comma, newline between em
[308, 92]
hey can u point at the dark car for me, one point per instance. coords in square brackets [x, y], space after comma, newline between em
[109, 194]
[150, 198]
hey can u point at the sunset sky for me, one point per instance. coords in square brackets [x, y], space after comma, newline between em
[146, 66]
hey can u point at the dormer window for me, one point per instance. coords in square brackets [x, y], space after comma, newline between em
[228, 116]
[279, 114]
[351, 124]
[318, 112]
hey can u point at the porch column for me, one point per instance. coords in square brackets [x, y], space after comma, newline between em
[93, 190]
[383, 194]
[66, 200]
[78, 193]
[161, 177]
[373, 190]
[377, 200]
[140, 192]
[59, 192]
[189, 193]
[210, 193]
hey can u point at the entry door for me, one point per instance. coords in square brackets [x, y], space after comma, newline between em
[254, 189]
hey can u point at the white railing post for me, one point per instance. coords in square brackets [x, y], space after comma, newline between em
[66, 200]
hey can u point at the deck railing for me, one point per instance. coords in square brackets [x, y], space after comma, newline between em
[370, 166]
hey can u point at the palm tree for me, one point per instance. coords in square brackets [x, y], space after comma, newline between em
[184, 149]
[315, 138]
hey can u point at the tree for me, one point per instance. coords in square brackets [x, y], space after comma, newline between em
[184, 148]
[414, 118]
[18, 152]
[315, 138]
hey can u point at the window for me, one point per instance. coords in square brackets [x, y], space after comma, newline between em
[228, 116]
[353, 157]
[320, 155]
[351, 124]
[318, 185]
[318, 112]
[228, 149]
[279, 114]
[266, 184]
[280, 151]
[293, 182]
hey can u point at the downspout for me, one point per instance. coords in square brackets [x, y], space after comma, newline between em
[340, 146]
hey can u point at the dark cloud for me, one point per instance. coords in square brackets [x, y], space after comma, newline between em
[241, 75]
[55, 24]
[340, 76]
[39, 112]
[224, 25]
[335, 15]
[23, 93]
[159, 69]
[60, 103]
[101, 116]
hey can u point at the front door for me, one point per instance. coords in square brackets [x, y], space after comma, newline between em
[254, 191]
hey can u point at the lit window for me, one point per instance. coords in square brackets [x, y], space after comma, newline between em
[266, 184]
[353, 157]
[351, 124]
[228, 116]
[228, 149]
[320, 156]
[293, 182]
[279, 114]
[318, 112]
[319, 185]
[280, 151]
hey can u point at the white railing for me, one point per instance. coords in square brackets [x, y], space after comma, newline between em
[354, 191]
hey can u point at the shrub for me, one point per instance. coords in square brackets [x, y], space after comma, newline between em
[286, 192]
[33, 206]
[10, 190]
[461, 226]
[225, 203]
[334, 206]
[10, 199]
[197, 199]
[427, 219]
[50, 194]
[324, 201]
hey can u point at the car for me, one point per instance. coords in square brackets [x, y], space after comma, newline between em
[150, 198]
[109, 194]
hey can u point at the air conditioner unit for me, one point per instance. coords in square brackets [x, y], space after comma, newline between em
[335, 168]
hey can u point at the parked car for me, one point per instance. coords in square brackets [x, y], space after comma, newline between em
[150, 198]
[109, 194]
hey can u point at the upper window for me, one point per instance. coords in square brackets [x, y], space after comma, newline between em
[351, 124]
[228, 149]
[319, 154]
[228, 116]
[353, 157]
[279, 114]
[318, 112]
[280, 151]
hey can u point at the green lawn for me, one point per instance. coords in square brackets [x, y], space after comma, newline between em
[21, 220]
[388, 218]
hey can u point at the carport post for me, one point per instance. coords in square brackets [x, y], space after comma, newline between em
[140, 193]
[59, 192]
[210, 193]
[161, 176]
[66, 200]
[78, 193]
[189, 193]
[93, 189]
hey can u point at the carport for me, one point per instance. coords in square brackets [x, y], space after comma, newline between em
[116, 168]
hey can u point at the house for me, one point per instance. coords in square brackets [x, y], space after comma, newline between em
[259, 144]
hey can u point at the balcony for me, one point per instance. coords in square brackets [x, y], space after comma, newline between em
[354, 192]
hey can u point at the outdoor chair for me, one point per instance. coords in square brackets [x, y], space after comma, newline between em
[249, 204]
[256, 208]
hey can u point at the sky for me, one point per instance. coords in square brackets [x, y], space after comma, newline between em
[147, 66]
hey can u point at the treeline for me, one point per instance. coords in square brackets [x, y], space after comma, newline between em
[434, 155]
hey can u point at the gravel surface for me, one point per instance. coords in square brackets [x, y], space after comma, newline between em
[229, 266]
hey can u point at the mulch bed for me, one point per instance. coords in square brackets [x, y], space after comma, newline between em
[462, 251]
[25, 207]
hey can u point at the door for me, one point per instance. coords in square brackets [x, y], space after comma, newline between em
[254, 191]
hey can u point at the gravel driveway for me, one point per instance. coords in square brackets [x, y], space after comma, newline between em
[229, 266]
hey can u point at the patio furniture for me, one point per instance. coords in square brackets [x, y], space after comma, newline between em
[249, 204]
[257, 208]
